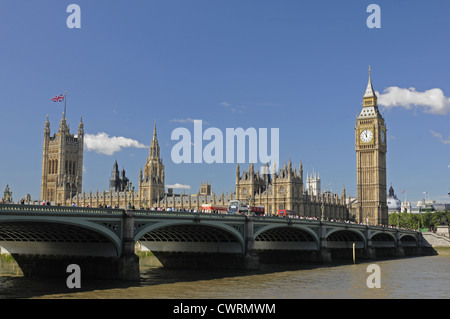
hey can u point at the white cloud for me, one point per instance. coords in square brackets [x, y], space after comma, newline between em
[103, 144]
[233, 108]
[440, 137]
[178, 185]
[431, 101]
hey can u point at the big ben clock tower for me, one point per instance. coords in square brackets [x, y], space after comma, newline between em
[370, 145]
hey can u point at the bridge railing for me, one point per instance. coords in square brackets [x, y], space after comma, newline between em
[75, 210]
[48, 209]
[175, 214]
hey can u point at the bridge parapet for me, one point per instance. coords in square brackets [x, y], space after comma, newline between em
[57, 210]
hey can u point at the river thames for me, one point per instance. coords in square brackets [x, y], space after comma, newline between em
[406, 278]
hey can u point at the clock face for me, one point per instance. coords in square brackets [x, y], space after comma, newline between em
[366, 136]
[383, 137]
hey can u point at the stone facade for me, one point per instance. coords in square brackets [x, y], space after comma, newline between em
[281, 190]
[284, 190]
[62, 163]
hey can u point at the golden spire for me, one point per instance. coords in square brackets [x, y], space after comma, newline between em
[370, 98]
[369, 90]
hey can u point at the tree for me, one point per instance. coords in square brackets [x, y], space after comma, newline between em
[428, 220]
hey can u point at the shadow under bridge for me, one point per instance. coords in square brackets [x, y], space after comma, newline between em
[191, 237]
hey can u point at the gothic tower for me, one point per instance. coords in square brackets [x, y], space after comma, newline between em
[151, 183]
[118, 181]
[370, 145]
[62, 163]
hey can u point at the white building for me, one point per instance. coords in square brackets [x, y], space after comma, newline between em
[393, 203]
[313, 184]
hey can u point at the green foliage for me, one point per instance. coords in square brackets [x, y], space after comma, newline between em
[428, 220]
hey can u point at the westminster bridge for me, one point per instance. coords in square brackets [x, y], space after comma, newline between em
[44, 240]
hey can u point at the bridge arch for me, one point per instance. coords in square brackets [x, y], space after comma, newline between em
[409, 240]
[56, 236]
[344, 238]
[384, 239]
[188, 236]
[284, 237]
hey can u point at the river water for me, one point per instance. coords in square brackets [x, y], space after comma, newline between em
[416, 277]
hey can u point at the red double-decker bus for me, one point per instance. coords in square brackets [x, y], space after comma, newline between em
[257, 210]
[210, 208]
[286, 212]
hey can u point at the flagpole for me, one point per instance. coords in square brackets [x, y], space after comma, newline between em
[65, 100]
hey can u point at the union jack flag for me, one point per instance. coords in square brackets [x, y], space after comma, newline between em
[59, 98]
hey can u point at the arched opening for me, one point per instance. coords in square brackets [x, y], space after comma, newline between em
[191, 238]
[285, 238]
[50, 238]
[345, 239]
[384, 240]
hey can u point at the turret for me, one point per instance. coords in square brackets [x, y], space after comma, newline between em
[47, 128]
[63, 128]
[81, 129]
[300, 170]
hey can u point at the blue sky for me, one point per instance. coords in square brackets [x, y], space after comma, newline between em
[300, 66]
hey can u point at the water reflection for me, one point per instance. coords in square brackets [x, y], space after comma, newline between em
[419, 277]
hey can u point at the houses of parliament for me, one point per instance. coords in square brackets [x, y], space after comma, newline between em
[286, 189]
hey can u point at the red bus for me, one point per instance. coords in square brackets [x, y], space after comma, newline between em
[209, 208]
[257, 210]
[286, 212]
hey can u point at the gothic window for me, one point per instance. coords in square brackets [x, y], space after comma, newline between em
[244, 191]
[282, 190]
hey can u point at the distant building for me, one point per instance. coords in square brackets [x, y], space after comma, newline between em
[313, 184]
[406, 207]
[393, 203]
[284, 190]
[118, 181]
[205, 189]
[7, 195]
